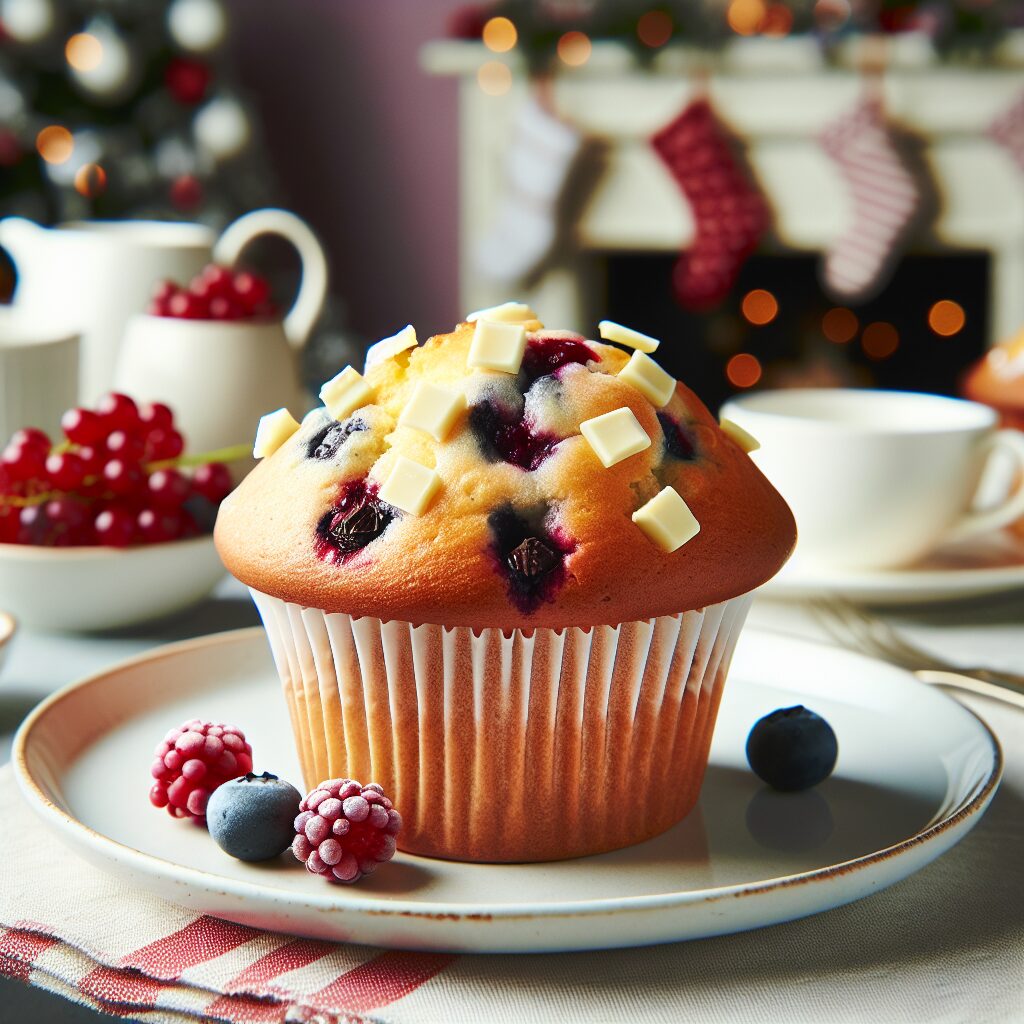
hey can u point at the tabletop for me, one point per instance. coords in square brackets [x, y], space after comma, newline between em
[987, 632]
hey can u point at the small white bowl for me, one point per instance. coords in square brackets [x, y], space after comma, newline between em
[8, 627]
[95, 588]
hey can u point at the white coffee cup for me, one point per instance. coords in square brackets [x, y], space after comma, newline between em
[877, 479]
[38, 376]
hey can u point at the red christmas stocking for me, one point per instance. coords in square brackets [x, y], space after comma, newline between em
[729, 212]
[885, 200]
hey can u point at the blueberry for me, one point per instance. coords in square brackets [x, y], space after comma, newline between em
[252, 818]
[792, 749]
[678, 441]
[327, 441]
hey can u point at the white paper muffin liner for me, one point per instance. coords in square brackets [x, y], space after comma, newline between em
[508, 746]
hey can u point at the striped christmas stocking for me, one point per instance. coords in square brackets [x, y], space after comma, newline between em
[885, 201]
[729, 213]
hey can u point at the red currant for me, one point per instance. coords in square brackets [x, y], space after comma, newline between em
[30, 437]
[118, 412]
[164, 444]
[213, 481]
[168, 488]
[69, 522]
[217, 279]
[114, 527]
[34, 525]
[66, 470]
[155, 415]
[126, 446]
[156, 526]
[186, 306]
[164, 290]
[21, 463]
[92, 458]
[123, 477]
[9, 525]
[224, 308]
[250, 289]
[82, 426]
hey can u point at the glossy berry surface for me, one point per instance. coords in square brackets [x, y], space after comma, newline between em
[345, 830]
[355, 520]
[215, 293]
[509, 438]
[545, 355]
[792, 749]
[192, 761]
[529, 555]
[252, 818]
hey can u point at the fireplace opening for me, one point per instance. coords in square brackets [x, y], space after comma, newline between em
[778, 328]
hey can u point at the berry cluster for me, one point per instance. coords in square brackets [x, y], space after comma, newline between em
[345, 830]
[192, 761]
[215, 293]
[115, 479]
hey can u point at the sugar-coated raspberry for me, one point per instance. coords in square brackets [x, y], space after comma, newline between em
[345, 829]
[192, 761]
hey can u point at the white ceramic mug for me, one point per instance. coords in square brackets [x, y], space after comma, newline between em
[220, 377]
[38, 377]
[91, 277]
[877, 479]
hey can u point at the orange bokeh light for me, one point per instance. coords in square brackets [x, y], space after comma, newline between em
[743, 370]
[778, 21]
[494, 78]
[84, 52]
[879, 340]
[946, 318]
[745, 17]
[499, 35]
[759, 307]
[574, 48]
[55, 144]
[654, 29]
[90, 180]
[840, 325]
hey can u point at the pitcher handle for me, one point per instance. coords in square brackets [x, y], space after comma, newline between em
[299, 320]
[11, 230]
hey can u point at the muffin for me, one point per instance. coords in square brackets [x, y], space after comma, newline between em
[502, 574]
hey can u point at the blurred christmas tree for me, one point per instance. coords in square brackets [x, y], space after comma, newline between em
[122, 108]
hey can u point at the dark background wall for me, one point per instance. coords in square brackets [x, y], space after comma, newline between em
[363, 143]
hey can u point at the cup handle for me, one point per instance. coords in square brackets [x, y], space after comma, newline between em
[299, 320]
[1012, 507]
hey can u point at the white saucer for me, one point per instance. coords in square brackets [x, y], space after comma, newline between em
[915, 772]
[990, 566]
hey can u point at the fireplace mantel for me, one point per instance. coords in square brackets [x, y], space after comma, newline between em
[778, 98]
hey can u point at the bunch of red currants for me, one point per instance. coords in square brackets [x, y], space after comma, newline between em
[114, 480]
[215, 293]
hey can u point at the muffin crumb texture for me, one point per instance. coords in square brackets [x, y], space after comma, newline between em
[505, 475]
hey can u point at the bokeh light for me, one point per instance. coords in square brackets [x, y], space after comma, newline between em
[84, 52]
[55, 144]
[879, 340]
[574, 48]
[831, 14]
[499, 35]
[840, 325]
[90, 180]
[743, 370]
[654, 29]
[759, 307]
[745, 16]
[777, 22]
[946, 318]
[494, 78]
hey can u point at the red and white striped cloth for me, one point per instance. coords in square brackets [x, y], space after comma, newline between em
[946, 945]
[885, 199]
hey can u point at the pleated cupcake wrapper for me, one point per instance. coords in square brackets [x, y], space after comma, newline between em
[512, 746]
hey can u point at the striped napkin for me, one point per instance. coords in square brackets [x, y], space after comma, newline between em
[946, 945]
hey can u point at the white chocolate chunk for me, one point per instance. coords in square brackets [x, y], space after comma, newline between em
[667, 520]
[746, 441]
[433, 410]
[611, 331]
[615, 436]
[345, 393]
[497, 346]
[506, 313]
[643, 373]
[274, 429]
[388, 348]
[410, 486]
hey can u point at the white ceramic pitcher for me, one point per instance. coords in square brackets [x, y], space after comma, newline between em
[89, 277]
[220, 376]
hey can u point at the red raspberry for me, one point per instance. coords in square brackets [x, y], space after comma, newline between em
[344, 830]
[192, 761]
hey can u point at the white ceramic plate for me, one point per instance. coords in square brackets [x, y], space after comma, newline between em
[990, 566]
[92, 588]
[915, 772]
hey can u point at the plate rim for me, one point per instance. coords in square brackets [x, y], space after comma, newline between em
[339, 899]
